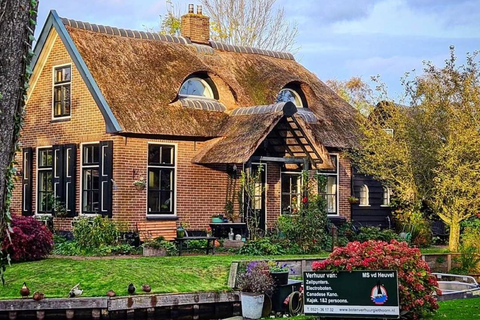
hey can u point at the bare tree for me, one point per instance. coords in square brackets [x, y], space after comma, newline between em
[17, 24]
[252, 23]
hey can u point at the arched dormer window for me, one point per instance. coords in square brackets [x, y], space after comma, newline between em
[198, 87]
[364, 196]
[386, 197]
[288, 94]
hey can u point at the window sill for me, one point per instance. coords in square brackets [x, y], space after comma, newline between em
[385, 206]
[364, 205]
[164, 218]
[63, 119]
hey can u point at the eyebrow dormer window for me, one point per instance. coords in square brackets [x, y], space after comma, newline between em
[291, 95]
[196, 87]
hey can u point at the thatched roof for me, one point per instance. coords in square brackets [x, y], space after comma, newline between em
[139, 75]
[247, 128]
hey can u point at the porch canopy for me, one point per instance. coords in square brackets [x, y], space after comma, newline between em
[276, 132]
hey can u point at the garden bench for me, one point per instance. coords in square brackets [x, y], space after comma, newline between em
[152, 230]
[184, 240]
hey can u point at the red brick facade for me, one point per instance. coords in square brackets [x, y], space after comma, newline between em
[200, 190]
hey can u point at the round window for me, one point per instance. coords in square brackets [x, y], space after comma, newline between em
[196, 87]
[291, 95]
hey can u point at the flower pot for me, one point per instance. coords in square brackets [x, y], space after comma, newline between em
[180, 232]
[252, 305]
[217, 220]
[280, 278]
[152, 252]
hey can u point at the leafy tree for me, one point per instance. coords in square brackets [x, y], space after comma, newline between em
[17, 24]
[432, 159]
[356, 92]
[171, 22]
[252, 23]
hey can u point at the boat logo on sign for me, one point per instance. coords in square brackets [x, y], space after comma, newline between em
[379, 294]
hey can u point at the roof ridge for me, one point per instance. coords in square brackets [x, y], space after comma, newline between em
[135, 34]
[243, 49]
[128, 33]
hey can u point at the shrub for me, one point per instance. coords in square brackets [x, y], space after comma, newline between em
[72, 248]
[262, 246]
[161, 243]
[31, 240]
[416, 283]
[411, 220]
[375, 233]
[90, 234]
[307, 229]
[256, 278]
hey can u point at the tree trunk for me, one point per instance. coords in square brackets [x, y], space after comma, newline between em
[16, 32]
[454, 237]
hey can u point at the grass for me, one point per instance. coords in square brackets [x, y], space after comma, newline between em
[458, 309]
[449, 310]
[56, 276]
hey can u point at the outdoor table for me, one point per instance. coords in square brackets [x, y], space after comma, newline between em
[221, 230]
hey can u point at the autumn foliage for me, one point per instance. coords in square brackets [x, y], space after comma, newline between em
[31, 240]
[417, 285]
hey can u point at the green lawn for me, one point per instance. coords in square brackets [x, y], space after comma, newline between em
[55, 277]
[461, 309]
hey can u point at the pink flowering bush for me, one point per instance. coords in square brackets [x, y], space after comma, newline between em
[416, 284]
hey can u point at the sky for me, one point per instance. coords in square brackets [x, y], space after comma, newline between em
[337, 39]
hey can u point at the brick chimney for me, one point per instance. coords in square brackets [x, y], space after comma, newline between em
[196, 27]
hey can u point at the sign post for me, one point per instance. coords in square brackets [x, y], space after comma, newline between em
[361, 294]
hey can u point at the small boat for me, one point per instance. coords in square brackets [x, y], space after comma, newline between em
[456, 286]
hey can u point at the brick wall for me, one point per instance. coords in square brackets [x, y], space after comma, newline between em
[200, 189]
[196, 27]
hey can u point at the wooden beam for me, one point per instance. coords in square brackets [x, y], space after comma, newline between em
[275, 159]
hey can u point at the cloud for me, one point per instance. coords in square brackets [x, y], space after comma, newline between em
[397, 17]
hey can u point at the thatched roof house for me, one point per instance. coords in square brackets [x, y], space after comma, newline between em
[209, 104]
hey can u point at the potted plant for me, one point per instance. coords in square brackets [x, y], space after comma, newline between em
[140, 184]
[159, 247]
[216, 219]
[353, 200]
[279, 272]
[254, 283]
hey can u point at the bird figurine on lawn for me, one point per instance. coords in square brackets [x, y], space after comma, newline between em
[146, 288]
[111, 293]
[131, 288]
[37, 296]
[24, 292]
[75, 292]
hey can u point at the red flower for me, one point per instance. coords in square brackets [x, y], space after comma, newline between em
[305, 200]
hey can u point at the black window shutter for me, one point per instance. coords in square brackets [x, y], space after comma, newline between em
[27, 181]
[106, 170]
[58, 169]
[70, 155]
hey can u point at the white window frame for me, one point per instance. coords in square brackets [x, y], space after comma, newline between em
[366, 202]
[337, 186]
[37, 153]
[88, 214]
[208, 89]
[300, 186]
[295, 94]
[53, 91]
[388, 193]
[175, 173]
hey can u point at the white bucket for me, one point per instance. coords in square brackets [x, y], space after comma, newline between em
[252, 305]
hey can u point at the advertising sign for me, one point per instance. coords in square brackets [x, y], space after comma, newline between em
[362, 294]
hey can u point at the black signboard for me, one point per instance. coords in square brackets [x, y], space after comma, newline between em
[362, 294]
